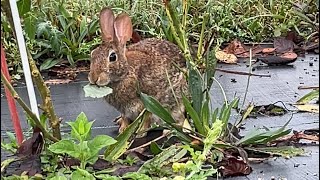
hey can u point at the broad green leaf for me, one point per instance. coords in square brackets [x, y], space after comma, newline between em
[81, 128]
[153, 106]
[100, 142]
[49, 63]
[205, 114]
[65, 146]
[24, 7]
[195, 88]
[58, 178]
[96, 91]
[136, 176]
[107, 177]
[309, 97]
[154, 148]
[30, 27]
[81, 174]
[194, 116]
[160, 160]
[114, 151]
[214, 115]
[251, 136]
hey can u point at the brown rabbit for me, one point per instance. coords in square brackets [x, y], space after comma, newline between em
[147, 66]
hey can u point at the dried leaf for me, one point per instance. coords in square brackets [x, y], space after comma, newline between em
[268, 50]
[57, 81]
[308, 108]
[31, 146]
[226, 58]
[231, 166]
[283, 45]
[236, 48]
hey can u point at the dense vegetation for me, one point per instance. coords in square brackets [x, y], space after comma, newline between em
[67, 31]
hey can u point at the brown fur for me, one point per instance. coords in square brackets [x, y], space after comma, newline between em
[139, 67]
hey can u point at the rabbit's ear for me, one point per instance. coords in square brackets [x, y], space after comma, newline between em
[106, 24]
[123, 28]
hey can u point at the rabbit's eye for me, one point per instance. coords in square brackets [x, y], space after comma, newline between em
[112, 57]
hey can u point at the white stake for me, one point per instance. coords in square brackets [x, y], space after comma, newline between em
[24, 57]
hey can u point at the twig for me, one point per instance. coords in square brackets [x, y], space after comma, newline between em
[47, 105]
[26, 108]
[148, 143]
[308, 87]
[242, 73]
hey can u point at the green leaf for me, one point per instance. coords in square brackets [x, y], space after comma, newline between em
[58, 178]
[96, 91]
[215, 115]
[81, 174]
[6, 163]
[160, 159]
[65, 146]
[154, 148]
[136, 176]
[247, 111]
[81, 128]
[30, 27]
[205, 114]
[107, 177]
[24, 6]
[194, 116]
[99, 142]
[195, 88]
[153, 106]
[114, 151]
[309, 97]
[49, 63]
[284, 151]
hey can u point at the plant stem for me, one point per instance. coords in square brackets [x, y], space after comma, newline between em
[46, 98]
[27, 109]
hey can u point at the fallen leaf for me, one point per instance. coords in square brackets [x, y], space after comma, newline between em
[236, 48]
[307, 108]
[31, 146]
[226, 58]
[95, 91]
[281, 44]
[283, 59]
[268, 50]
[231, 166]
[57, 81]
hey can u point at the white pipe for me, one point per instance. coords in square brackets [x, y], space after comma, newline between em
[24, 57]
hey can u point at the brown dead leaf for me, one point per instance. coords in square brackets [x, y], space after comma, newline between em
[282, 45]
[268, 50]
[31, 146]
[57, 81]
[235, 47]
[231, 166]
[226, 58]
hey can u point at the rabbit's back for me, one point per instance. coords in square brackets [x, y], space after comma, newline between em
[155, 64]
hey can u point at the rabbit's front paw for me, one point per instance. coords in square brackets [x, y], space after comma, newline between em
[122, 122]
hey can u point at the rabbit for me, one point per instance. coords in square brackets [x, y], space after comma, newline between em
[149, 66]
